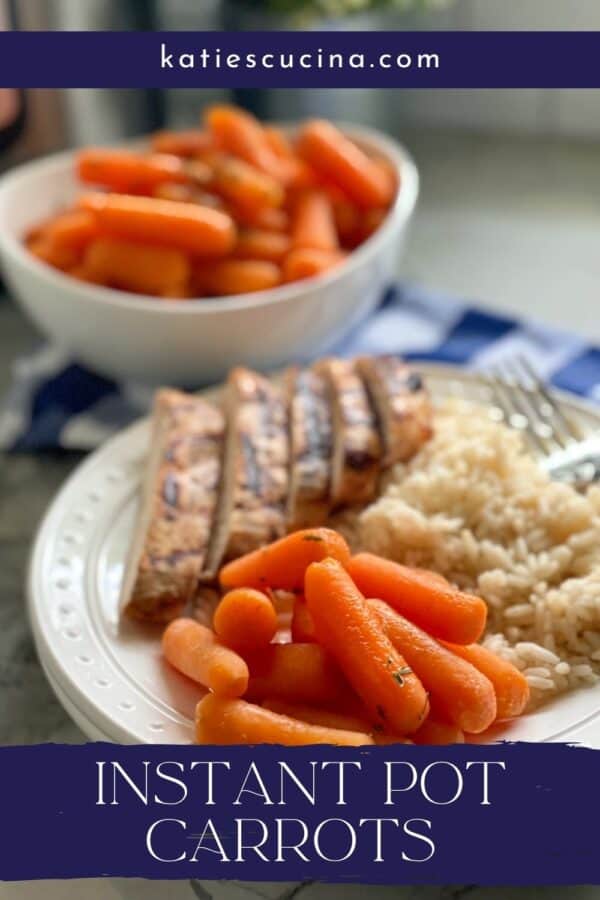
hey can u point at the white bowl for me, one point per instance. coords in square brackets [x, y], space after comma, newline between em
[189, 342]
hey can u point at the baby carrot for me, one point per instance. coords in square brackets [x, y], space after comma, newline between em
[241, 183]
[60, 256]
[303, 628]
[236, 276]
[197, 229]
[193, 649]
[458, 690]
[240, 133]
[74, 228]
[127, 172]
[160, 271]
[255, 243]
[189, 142]
[316, 716]
[348, 628]
[306, 263]
[339, 159]
[435, 606]
[267, 218]
[313, 224]
[220, 721]
[510, 685]
[282, 564]
[300, 174]
[437, 731]
[300, 673]
[245, 619]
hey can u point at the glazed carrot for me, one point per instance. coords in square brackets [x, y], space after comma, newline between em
[266, 218]
[236, 276]
[245, 619]
[197, 229]
[306, 263]
[245, 185]
[127, 172]
[351, 631]
[254, 243]
[282, 564]
[300, 673]
[303, 628]
[60, 256]
[190, 142]
[316, 716]
[347, 218]
[239, 133]
[74, 228]
[134, 267]
[220, 721]
[313, 224]
[193, 649]
[437, 607]
[336, 157]
[300, 174]
[437, 731]
[510, 685]
[459, 691]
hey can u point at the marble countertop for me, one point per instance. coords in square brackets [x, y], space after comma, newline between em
[511, 224]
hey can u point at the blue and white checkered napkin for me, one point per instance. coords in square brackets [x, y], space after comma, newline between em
[55, 403]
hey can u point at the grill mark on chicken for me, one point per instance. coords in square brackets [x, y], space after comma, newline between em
[401, 403]
[356, 442]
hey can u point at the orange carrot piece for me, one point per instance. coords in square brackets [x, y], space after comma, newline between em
[300, 673]
[127, 172]
[245, 619]
[339, 159]
[313, 224]
[300, 174]
[243, 184]
[438, 732]
[240, 133]
[255, 243]
[350, 630]
[193, 649]
[236, 276]
[314, 715]
[282, 564]
[510, 685]
[189, 142]
[59, 256]
[266, 218]
[303, 627]
[160, 271]
[307, 263]
[459, 691]
[74, 228]
[197, 229]
[440, 609]
[220, 721]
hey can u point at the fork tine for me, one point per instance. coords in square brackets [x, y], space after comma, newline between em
[572, 429]
[510, 401]
[526, 397]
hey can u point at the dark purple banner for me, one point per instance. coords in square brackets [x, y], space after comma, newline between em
[496, 814]
[301, 59]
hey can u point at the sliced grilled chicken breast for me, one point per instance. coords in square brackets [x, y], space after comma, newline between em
[356, 442]
[255, 476]
[401, 403]
[177, 508]
[311, 446]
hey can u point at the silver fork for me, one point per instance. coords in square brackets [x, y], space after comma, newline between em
[526, 404]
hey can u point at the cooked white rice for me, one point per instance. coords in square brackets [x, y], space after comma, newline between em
[475, 506]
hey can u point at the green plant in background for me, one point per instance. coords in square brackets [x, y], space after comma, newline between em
[341, 7]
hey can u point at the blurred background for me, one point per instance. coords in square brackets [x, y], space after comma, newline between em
[508, 214]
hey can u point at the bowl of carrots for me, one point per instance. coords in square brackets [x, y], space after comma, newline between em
[172, 259]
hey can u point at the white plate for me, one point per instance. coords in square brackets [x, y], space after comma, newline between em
[109, 675]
